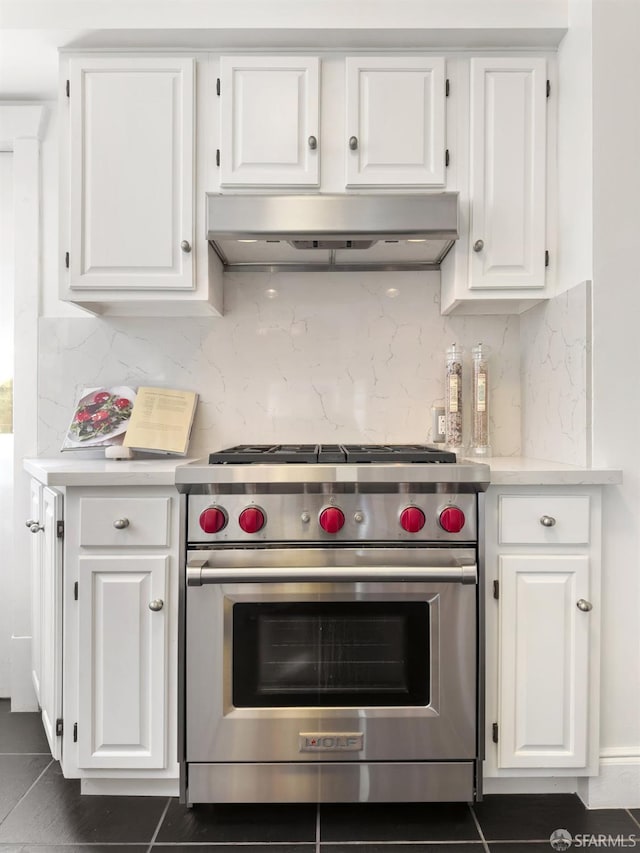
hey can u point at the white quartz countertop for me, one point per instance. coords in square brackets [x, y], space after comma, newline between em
[523, 471]
[104, 472]
[508, 470]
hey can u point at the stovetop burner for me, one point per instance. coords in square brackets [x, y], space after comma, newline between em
[330, 454]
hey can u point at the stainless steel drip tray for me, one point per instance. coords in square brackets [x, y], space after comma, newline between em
[380, 782]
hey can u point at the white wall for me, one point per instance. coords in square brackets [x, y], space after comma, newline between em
[306, 14]
[575, 120]
[6, 440]
[616, 351]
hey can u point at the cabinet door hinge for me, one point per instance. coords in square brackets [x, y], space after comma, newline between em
[447, 88]
[546, 258]
[59, 727]
[494, 733]
[66, 259]
[217, 156]
[548, 88]
[75, 733]
[446, 157]
[218, 86]
[496, 589]
[75, 591]
[60, 529]
[67, 89]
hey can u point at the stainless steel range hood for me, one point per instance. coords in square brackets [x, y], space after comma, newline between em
[274, 233]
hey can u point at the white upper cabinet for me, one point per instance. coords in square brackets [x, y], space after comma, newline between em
[508, 173]
[270, 121]
[505, 173]
[395, 124]
[131, 155]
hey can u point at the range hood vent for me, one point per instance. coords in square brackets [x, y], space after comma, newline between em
[302, 233]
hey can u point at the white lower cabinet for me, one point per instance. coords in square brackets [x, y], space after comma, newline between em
[543, 660]
[122, 657]
[110, 713]
[542, 630]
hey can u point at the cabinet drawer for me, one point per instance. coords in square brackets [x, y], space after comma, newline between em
[124, 521]
[521, 520]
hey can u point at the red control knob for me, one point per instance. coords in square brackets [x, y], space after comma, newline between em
[213, 519]
[251, 519]
[412, 519]
[452, 519]
[331, 519]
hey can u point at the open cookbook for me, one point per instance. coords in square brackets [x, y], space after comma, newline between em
[152, 420]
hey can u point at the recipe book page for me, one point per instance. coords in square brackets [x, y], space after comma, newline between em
[161, 420]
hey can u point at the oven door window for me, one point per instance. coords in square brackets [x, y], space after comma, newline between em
[331, 654]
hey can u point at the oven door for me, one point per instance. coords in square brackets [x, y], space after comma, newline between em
[350, 654]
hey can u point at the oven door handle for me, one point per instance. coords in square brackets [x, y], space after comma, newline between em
[198, 573]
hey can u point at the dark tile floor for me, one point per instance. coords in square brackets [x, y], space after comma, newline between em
[41, 812]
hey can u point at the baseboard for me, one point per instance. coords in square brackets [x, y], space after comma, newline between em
[617, 786]
[131, 787]
[531, 785]
[23, 697]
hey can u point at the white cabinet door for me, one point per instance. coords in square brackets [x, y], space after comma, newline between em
[270, 121]
[35, 515]
[131, 161]
[395, 133]
[50, 639]
[508, 173]
[543, 661]
[122, 661]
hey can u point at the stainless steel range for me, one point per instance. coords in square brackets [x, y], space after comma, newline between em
[330, 625]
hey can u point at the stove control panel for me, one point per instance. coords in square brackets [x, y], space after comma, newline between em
[323, 517]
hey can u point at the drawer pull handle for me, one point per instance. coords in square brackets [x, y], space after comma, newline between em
[156, 604]
[548, 521]
[121, 523]
[34, 526]
[584, 605]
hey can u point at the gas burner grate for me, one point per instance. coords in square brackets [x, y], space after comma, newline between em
[330, 454]
[407, 453]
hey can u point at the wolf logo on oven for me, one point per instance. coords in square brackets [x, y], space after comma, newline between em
[331, 741]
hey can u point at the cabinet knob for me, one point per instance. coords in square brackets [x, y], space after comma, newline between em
[156, 604]
[548, 521]
[313, 143]
[34, 526]
[478, 246]
[584, 605]
[121, 523]
[185, 246]
[353, 143]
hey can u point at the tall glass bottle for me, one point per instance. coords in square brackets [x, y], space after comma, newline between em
[480, 401]
[453, 398]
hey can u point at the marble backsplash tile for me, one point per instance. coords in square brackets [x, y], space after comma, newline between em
[296, 358]
[556, 370]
